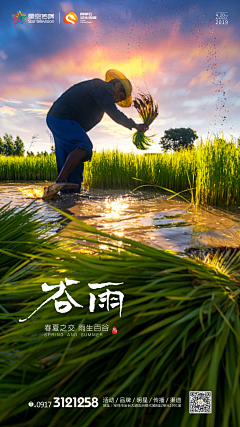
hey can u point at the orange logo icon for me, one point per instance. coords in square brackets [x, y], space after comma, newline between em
[70, 18]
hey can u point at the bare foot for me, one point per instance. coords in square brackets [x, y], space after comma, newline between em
[53, 189]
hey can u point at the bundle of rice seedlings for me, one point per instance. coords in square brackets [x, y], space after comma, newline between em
[224, 258]
[178, 332]
[148, 110]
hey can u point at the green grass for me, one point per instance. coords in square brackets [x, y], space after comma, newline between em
[212, 168]
[31, 168]
[179, 331]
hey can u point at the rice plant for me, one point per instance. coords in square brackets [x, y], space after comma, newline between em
[20, 230]
[179, 331]
[30, 168]
[147, 109]
[212, 168]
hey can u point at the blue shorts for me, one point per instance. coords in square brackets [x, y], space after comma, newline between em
[68, 135]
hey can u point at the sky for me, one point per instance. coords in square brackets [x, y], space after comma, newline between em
[173, 50]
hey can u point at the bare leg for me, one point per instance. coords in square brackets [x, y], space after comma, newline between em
[73, 159]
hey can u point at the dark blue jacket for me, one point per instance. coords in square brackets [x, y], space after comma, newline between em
[86, 103]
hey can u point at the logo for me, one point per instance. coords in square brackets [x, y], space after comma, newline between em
[19, 17]
[41, 18]
[114, 330]
[86, 17]
[70, 18]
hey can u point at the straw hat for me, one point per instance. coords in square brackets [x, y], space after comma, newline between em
[114, 74]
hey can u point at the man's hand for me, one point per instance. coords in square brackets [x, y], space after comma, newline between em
[142, 127]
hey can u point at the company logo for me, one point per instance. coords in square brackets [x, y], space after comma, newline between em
[114, 330]
[19, 17]
[86, 17]
[41, 18]
[70, 18]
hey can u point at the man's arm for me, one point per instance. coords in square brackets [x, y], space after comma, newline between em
[123, 120]
[106, 103]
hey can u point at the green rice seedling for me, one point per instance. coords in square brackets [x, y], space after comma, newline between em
[212, 168]
[218, 165]
[30, 168]
[147, 109]
[179, 331]
[20, 230]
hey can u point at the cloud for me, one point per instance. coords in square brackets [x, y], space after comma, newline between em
[3, 54]
[196, 103]
[26, 91]
[39, 111]
[48, 104]
[204, 77]
[10, 111]
[171, 65]
[168, 62]
[172, 56]
[12, 101]
[66, 6]
[109, 127]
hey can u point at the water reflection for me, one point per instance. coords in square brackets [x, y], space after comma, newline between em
[114, 209]
[9, 193]
[144, 216]
[32, 192]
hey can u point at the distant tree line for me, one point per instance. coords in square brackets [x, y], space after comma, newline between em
[173, 139]
[10, 147]
[178, 138]
[42, 153]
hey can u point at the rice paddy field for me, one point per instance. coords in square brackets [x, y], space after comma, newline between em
[178, 329]
[210, 171]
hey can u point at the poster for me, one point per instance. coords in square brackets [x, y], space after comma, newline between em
[99, 355]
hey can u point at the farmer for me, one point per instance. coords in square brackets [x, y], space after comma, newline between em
[77, 111]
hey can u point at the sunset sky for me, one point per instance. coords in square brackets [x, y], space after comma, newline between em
[173, 50]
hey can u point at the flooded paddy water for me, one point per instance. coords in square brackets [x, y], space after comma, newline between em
[145, 216]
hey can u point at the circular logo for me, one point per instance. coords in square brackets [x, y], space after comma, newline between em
[70, 18]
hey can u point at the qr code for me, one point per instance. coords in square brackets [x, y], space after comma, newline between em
[200, 402]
